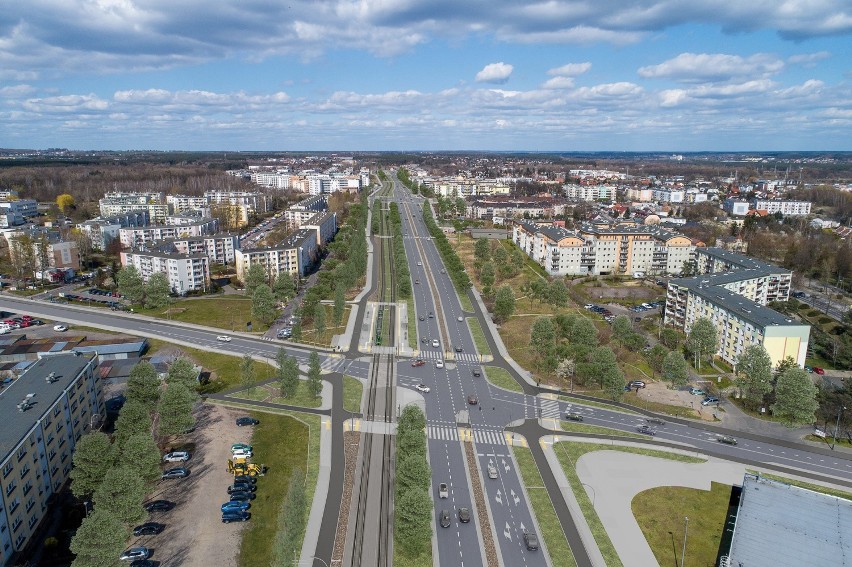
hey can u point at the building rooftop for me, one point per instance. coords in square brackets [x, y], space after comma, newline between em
[742, 307]
[16, 423]
[782, 525]
[741, 261]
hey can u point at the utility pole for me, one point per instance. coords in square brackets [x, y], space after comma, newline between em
[683, 549]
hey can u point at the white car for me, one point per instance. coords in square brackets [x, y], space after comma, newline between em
[176, 457]
[435, 343]
[223, 338]
[460, 319]
[442, 490]
[422, 388]
[439, 364]
[242, 453]
[60, 328]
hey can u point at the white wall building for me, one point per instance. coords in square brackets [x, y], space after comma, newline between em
[590, 192]
[293, 257]
[185, 272]
[786, 208]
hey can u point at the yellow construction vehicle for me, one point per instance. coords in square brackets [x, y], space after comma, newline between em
[240, 465]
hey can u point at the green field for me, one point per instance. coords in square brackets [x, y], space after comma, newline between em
[573, 426]
[478, 336]
[229, 312]
[501, 378]
[352, 389]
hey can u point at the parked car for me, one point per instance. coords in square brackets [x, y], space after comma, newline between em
[443, 492]
[422, 388]
[709, 400]
[148, 528]
[235, 516]
[158, 506]
[243, 446]
[636, 384]
[242, 495]
[819, 370]
[245, 478]
[235, 505]
[242, 453]
[143, 563]
[697, 392]
[464, 515]
[60, 328]
[573, 417]
[242, 487]
[176, 457]
[444, 519]
[241, 421]
[179, 472]
[135, 553]
[530, 540]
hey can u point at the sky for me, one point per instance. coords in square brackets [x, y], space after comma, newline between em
[359, 75]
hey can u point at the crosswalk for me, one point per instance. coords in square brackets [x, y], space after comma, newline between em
[458, 356]
[550, 408]
[480, 436]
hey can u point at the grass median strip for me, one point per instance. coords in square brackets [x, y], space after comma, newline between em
[352, 392]
[412, 323]
[478, 336]
[501, 378]
[573, 426]
[551, 530]
[596, 405]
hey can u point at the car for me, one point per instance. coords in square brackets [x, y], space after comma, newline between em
[417, 282]
[439, 364]
[655, 421]
[458, 349]
[819, 370]
[589, 306]
[422, 318]
[243, 446]
[709, 400]
[460, 319]
[245, 479]
[242, 487]
[443, 492]
[646, 430]
[444, 519]
[464, 515]
[135, 553]
[422, 388]
[223, 339]
[148, 528]
[472, 400]
[636, 384]
[235, 505]
[143, 563]
[242, 421]
[799, 294]
[242, 495]
[808, 369]
[419, 263]
[530, 540]
[60, 328]
[179, 472]
[235, 516]
[431, 315]
[242, 453]
[443, 271]
[418, 362]
[176, 457]
[492, 471]
[158, 506]
[476, 372]
[727, 440]
[435, 343]
[573, 417]
[697, 392]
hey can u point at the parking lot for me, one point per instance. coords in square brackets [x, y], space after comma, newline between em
[194, 534]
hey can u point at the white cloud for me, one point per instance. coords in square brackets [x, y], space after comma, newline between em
[66, 103]
[695, 67]
[497, 73]
[558, 83]
[808, 59]
[570, 70]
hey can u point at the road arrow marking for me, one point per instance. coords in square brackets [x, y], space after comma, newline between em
[515, 497]
[505, 466]
[499, 498]
[507, 533]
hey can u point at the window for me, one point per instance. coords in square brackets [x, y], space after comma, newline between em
[56, 411]
[33, 519]
[30, 504]
[7, 469]
[25, 470]
[28, 486]
[22, 452]
[11, 486]
[12, 507]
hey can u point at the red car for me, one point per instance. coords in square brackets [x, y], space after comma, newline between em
[418, 362]
[819, 370]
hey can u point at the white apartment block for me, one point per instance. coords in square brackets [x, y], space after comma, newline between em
[641, 194]
[293, 257]
[736, 207]
[114, 204]
[219, 248]
[182, 203]
[786, 208]
[9, 219]
[45, 412]
[590, 192]
[254, 202]
[272, 179]
[462, 187]
[102, 231]
[185, 272]
[758, 281]
[324, 184]
[596, 250]
[669, 195]
[304, 210]
[325, 225]
[133, 237]
[24, 207]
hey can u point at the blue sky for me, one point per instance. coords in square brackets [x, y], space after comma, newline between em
[581, 75]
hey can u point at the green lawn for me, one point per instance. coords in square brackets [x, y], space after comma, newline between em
[583, 428]
[551, 530]
[596, 405]
[501, 378]
[412, 323]
[227, 312]
[301, 398]
[660, 512]
[568, 453]
[280, 443]
[352, 391]
[478, 336]
[465, 302]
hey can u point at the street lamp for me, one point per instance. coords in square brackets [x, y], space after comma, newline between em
[685, 531]
[837, 426]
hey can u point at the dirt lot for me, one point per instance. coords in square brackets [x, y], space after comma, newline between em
[194, 534]
[658, 392]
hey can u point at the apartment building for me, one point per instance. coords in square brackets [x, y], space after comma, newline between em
[45, 412]
[185, 272]
[736, 207]
[325, 225]
[114, 204]
[304, 210]
[183, 203]
[641, 194]
[134, 237]
[102, 231]
[489, 208]
[294, 256]
[590, 192]
[786, 208]
[48, 248]
[596, 249]
[326, 183]
[464, 187]
[732, 290]
[26, 208]
[219, 248]
[665, 195]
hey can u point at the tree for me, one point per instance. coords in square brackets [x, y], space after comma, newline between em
[99, 540]
[612, 382]
[557, 293]
[504, 303]
[291, 519]
[409, 442]
[122, 492]
[130, 284]
[487, 277]
[157, 291]
[142, 455]
[482, 250]
[143, 385]
[675, 369]
[255, 276]
[621, 327]
[134, 417]
[247, 374]
[175, 410]
[633, 342]
[565, 370]
[670, 338]
[785, 364]
[287, 373]
[543, 336]
[412, 472]
[702, 339]
[754, 373]
[339, 304]
[414, 521]
[584, 332]
[88, 459]
[263, 304]
[314, 381]
[183, 371]
[65, 202]
[656, 356]
[284, 288]
[411, 418]
[319, 320]
[795, 397]
[296, 333]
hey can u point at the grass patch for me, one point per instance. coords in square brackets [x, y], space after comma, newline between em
[400, 559]
[478, 336]
[465, 302]
[310, 335]
[282, 444]
[412, 323]
[568, 453]
[806, 485]
[597, 405]
[352, 391]
[222, 312]
[256, 393]
[660, 514]
[551, 530]
[501, 378]
[575, 427]
[841, 441]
